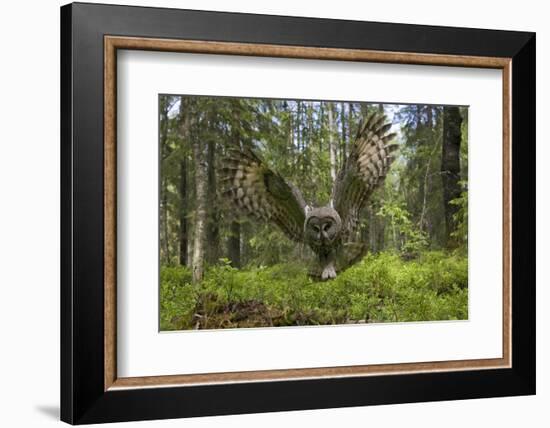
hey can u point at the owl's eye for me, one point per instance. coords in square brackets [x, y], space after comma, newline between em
[315, 227]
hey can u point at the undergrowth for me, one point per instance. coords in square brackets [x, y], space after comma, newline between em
[380, 288]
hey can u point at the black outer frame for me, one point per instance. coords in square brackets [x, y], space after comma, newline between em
[83, 399]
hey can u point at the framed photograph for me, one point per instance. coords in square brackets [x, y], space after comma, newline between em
[266, 213]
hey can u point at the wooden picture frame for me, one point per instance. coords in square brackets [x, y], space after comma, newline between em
[91, 391]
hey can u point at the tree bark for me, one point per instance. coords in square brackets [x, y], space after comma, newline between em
[199, 235]
[450, 167]
[183, 212]
[164, 151]
[426, 190]
[429, 117]
[185, 136]
[331, 142]
[298, 126]
[213, 229]
[343, 134]
[370, 235]
[246, 250]
[164, 220]
[234, 244]
[306, 164]
[350, 127]
[234, 239]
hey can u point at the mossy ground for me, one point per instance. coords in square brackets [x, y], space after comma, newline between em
[380, 288]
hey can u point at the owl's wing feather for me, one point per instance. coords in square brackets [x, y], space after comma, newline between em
[261, 193]
[364, 170]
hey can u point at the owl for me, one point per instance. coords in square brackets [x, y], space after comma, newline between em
[330, 231]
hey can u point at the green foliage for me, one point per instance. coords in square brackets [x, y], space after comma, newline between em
[381, 288]
[407, 238]
[270, 246]
[177, 298]
[460, 234]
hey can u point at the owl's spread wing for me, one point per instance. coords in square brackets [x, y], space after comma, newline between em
[261, 193]
[365, 168]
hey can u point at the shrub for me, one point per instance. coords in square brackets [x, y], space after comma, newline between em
[177, 298]
[380, 288]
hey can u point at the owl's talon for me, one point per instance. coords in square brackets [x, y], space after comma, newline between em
[328, 273]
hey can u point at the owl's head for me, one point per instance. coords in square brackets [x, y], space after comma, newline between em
[322, 226]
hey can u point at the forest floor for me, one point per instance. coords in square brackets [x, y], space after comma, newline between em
[380, 288]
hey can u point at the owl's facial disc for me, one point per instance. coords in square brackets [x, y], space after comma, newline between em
[323, 229]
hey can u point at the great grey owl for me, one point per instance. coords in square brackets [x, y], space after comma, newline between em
[330, 231]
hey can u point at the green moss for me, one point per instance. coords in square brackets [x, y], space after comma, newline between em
[381, 288]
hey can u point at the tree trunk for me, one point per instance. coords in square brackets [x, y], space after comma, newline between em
[298, 127]
[426, 191]
[380, 235]
[213, 229]
[246, 250]
[164, 151]
[234, 244]
[185, 138]
[343, 134]
[183, 212]
[430, 118]
[289, 149]
[450, 167]
[164, 220]
[199, 235]
[364, 111]
[370, 234]
[331, 142]
[306, 166]
[234, 239]
[350, 127]
[321, 125]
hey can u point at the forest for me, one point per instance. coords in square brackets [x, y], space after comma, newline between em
[221, 269]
